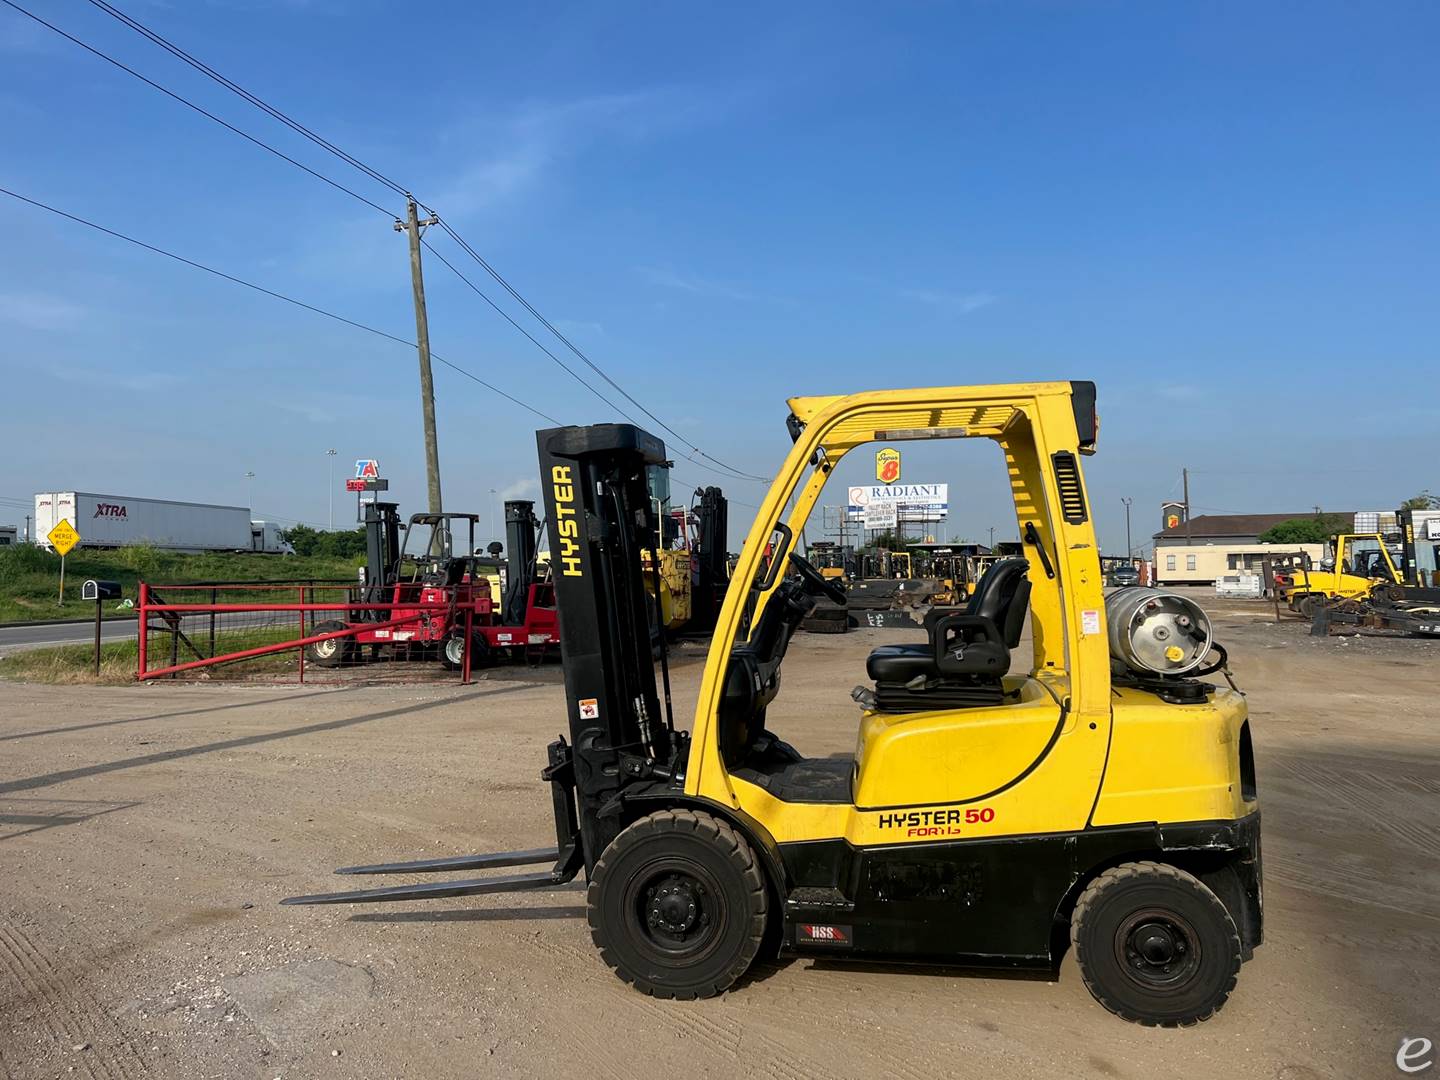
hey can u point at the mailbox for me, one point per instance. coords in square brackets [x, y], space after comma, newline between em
[100, 590]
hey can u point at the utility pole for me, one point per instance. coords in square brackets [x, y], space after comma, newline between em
[992, 539]
[1185, 477]
[250, 490]
[413, 225]
[27, 528]
[331, 487]
[1129, 551]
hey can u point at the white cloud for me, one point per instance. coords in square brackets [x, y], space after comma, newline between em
[136, 381]
[529, 140]
[519, 488]
[495, 156]
[957, 303]
[667, 278]
[39, 311]
[1178, 392]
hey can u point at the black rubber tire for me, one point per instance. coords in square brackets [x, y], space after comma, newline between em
[730, 909]
[479, 652]
[1122, 903]
[336, 652]
[1307, 605]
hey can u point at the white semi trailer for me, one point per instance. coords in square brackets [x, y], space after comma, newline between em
[111, 521]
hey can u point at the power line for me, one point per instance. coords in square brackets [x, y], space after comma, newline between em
[271, 293]
[400, 189]
[202, 111]
[505, 315]
[259, 103]
[564, 366]
[574, 349]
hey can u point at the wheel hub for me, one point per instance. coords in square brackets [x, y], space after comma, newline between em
[1155, 943]
[673, 906]
[1158, 949]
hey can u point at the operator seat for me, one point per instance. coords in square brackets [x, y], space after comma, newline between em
[967, 654]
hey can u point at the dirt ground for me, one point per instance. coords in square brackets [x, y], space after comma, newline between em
[147, 833]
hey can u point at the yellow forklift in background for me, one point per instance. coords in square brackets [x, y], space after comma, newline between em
[687, 573]
[1092, 792]
[1361, 568]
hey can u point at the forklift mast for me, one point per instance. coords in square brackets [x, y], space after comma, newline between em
[711, 577]
[600, 516]
[520, 528]
[382, 555]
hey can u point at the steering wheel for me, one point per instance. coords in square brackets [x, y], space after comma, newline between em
[817, 583]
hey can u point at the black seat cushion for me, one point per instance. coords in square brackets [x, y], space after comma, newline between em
[901, 663]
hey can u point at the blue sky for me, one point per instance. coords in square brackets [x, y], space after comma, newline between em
[1223, 214]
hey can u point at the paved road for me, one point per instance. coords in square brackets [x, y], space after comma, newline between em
[14, 639]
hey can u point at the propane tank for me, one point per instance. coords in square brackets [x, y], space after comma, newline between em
[1154, 632]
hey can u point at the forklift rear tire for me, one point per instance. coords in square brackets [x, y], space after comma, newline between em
[335, 652]
[1307, 605]
[678, 905]
[1154, 945]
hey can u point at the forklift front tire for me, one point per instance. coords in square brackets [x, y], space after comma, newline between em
[332, 652]
[452, 652]
[1154, 945]
[678, 905]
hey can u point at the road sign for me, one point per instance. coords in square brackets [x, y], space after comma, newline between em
[63, 537]
[367, 469]
[887, 465]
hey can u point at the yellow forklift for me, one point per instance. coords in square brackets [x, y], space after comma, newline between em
[1092, 792]
[1361, 569]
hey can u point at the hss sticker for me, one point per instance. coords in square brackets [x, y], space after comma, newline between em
[823, 934]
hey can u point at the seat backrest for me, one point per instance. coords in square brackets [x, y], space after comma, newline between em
[1002, 596]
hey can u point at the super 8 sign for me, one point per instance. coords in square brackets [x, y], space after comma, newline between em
[887, 465]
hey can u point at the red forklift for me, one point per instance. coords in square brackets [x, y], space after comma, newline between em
[424, 570]
[527, 625]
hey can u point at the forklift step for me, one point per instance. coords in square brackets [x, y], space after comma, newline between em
[491, 861]
[437, 890]
[808, 899]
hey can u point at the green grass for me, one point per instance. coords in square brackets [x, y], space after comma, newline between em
[30, 576]
[119, 659]
[72, 664]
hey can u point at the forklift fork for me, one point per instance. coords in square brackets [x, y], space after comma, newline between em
[568, 856]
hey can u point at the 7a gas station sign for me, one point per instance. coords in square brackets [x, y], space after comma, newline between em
[367, 477]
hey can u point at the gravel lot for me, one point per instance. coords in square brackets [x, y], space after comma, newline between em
[147, 833]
